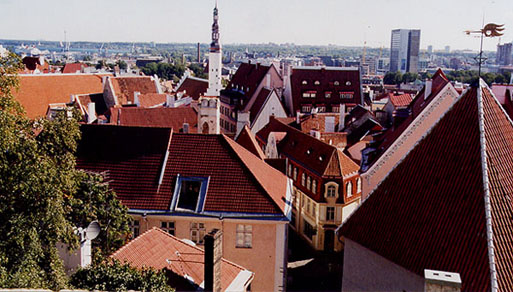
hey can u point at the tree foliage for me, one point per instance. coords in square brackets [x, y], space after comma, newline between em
[165, 71]
[114, 276]
[42, 196]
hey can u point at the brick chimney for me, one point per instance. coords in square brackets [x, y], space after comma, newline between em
[441, 281]
[213, 255]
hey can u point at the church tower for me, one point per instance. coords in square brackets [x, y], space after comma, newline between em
[209, 105]
[214, 60]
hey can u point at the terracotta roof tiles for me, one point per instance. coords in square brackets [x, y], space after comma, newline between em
[402, 100]
[159, 250]
[124, 87]
[156, 117]
[193, 87]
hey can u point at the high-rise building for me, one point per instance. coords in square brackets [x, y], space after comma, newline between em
[214, 60]
[430, 49]
[404, 50]
[503, 54]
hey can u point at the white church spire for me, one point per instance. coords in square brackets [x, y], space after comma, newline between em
[214, 60]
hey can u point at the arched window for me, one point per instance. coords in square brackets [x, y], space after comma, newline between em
[309, 183]
[303, 179]
[349, 189]
[331, 192]
[314, 186]
[304, 82]
[204, 103]
[317, 82]
[336, 83]
[205, 128]
[295, 174]
[358, 185]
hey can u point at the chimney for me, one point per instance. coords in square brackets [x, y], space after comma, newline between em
[199, 52]
[329, 124]
[342, 118]
[257, 65]
[170, 100]
[136, 98]
[315, 133]
[427, 90]
[185, 128]
[91, 112]
[213, 255]
[298, 117]
[441, 281]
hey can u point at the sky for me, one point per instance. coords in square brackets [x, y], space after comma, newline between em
[305, 22]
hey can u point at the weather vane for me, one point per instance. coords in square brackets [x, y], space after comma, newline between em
[490, 30]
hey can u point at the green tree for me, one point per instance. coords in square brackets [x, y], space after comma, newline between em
[42, 196]
[393, 78]
[114, 276]
[122, 64]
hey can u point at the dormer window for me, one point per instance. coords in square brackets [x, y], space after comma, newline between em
[317, 82]
[349, 189]
[330, 193]
[309, 151]
[189, 194]
[348, 83]
[336, 83]
[304, 82]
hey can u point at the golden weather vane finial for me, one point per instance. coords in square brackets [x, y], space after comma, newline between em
[490, 30]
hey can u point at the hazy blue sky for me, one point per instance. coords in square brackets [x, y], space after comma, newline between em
[316, 22]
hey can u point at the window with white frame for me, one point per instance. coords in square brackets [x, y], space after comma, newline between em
[314, 186]
[331, 191]
[309, 183]
[244, 236]
[358, 185]
[303, 179]
[349, 189]
[168, 226]
[304, 82]
[327, 94]
[134, 228]
[294, 177]
[290, 170]
[197, 232]
[306, 108]
[330, 213]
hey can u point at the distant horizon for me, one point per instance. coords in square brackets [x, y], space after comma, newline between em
[302, 22]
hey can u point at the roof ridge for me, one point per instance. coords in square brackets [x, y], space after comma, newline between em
[487, 201]
[130, 242]
[406, 154]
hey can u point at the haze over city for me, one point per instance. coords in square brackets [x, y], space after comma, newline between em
[242, 21]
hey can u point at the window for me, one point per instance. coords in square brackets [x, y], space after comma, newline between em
[336, 83]
[317, 82]
[134, 228]
[303, 179]
[290, 170]
[330, 213]
[306, 94]
[312, 94]
[169, 227]
[358, 185]
[189, 195]
[306, 108]
[308, 230]
[331, 192]
[335, 109]
[348, 83]
[304, 82]
[307, 206]
[244, 236]
[294, 177]
[327, 94]
[314, 209]
[314, 186]
[197, 232]
[309, 183]
[346, 95]
[321, 109]
[349, 189]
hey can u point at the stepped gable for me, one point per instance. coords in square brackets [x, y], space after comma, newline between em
[430, 212]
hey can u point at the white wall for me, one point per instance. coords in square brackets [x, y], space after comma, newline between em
[274, 107]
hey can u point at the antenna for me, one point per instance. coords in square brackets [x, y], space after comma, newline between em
[92, 231]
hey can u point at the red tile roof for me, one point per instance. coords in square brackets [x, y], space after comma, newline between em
[156, 117]
[193, 87]
[36, 92]
[327, 77]
[74, 67]
[158, 249]
[248, 76]
[152, 99]
[239, 182]
[402, 100]
[260, 100]
[97, 98]
[247, 140]
[124, 87]
[429, 212]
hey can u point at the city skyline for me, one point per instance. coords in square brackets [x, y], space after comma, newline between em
[243, 21]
